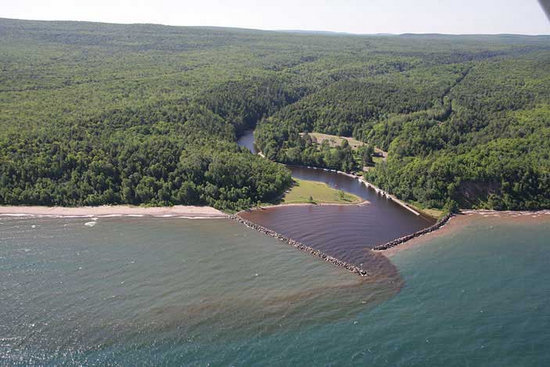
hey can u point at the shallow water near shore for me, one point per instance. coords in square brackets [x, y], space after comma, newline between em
[70, 290]
[179, 292]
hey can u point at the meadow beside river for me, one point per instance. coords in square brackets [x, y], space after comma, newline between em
[311, 192]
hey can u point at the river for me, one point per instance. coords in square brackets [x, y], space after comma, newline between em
[346, 232]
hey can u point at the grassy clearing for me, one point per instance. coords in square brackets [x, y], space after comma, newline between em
[335, 140]
[317, 193]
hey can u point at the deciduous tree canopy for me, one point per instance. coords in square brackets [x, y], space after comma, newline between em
[141, 114]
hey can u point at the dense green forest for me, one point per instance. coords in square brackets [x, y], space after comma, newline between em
[144, 114]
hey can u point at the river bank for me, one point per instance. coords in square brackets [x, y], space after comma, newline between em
[372, 187]
[113, 210]
[284, 205]
[341, 233]
[247, 140]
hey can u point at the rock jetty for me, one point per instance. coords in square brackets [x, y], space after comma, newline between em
[300, 246]
[409, 237]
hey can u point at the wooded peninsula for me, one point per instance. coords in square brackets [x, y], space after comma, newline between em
[95, 114]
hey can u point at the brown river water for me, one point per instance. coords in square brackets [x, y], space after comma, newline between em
[346, 232]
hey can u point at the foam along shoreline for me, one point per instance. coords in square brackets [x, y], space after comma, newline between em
[179, 211]
[465, 218]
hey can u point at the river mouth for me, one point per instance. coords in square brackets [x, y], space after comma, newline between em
[346, 232]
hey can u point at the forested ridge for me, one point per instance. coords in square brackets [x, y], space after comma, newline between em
[96, 114]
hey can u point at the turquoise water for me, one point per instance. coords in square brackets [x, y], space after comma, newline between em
[137, 291]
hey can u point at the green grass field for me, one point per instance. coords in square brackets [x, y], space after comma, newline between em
[317, 193]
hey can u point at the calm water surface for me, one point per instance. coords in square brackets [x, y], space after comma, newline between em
[247, 141]
[341, 229]
[141, 291]
[346, 232]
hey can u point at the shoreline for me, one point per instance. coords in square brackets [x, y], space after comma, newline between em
[179, 211]
[445, 226]
[465, 218]
[270, 206]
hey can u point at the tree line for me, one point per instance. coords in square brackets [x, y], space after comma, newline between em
[96, 114]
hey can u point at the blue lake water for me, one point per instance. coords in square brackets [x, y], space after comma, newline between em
[152, 291]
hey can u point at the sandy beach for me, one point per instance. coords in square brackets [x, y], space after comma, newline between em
[467, 217]
[115, 210]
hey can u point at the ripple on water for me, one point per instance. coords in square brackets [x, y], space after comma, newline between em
[143, 280]
[346, 232]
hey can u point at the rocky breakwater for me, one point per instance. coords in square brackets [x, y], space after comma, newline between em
[409, 237]
[300, 246]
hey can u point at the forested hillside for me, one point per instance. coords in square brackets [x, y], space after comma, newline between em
[460, 131]
[143, 114]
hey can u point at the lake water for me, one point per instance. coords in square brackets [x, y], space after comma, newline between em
[165, 291]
